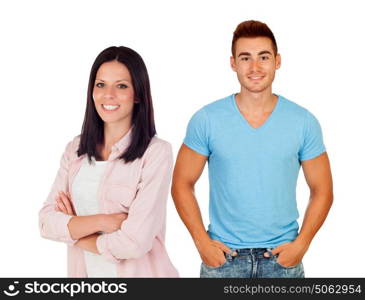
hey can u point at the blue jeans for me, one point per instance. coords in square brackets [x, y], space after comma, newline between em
[251, 263]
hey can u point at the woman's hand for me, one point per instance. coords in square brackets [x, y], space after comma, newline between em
[112, 222]
[107, 223]
[64, 204]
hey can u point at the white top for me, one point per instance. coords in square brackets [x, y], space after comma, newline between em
[84, 193]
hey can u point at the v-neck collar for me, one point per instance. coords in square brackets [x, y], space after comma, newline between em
[267, 121]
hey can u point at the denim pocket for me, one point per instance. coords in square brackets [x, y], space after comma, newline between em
[212, 268]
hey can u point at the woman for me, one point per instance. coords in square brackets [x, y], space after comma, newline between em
[108, 202]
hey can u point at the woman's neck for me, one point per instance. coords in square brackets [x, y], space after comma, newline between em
[113, 133]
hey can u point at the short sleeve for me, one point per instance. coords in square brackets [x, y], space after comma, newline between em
[197, 133]
[312, 144]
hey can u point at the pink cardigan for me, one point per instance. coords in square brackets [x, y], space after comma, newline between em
[139, 188]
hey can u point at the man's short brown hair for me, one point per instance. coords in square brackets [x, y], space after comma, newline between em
[252, 29]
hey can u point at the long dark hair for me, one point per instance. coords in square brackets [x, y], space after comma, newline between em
[92, 133]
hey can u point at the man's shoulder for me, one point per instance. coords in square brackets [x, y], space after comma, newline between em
[218, 104]
[294, 108]
[215, 108]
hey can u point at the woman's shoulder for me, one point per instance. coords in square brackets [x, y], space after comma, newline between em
[159, 143]
[158, 146]
[72, 146]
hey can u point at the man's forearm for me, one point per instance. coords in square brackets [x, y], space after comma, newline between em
[82, 226]
[189, 212]
[315, 215]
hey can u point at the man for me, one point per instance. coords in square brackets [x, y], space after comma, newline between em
[255, 142]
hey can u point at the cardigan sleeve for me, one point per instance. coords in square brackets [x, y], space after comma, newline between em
[147, 212]
[52, 223]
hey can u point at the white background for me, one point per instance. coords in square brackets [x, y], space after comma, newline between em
[48, 47]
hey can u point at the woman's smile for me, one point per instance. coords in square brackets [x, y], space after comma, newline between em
[110, 108]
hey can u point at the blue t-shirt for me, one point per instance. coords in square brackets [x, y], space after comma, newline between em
[253, 172]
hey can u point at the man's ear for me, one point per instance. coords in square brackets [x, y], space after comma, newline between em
[278, 61]
[233, 64]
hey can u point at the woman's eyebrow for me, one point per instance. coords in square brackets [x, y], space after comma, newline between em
[115, 81]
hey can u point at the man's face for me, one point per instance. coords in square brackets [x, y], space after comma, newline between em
[255, 63]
